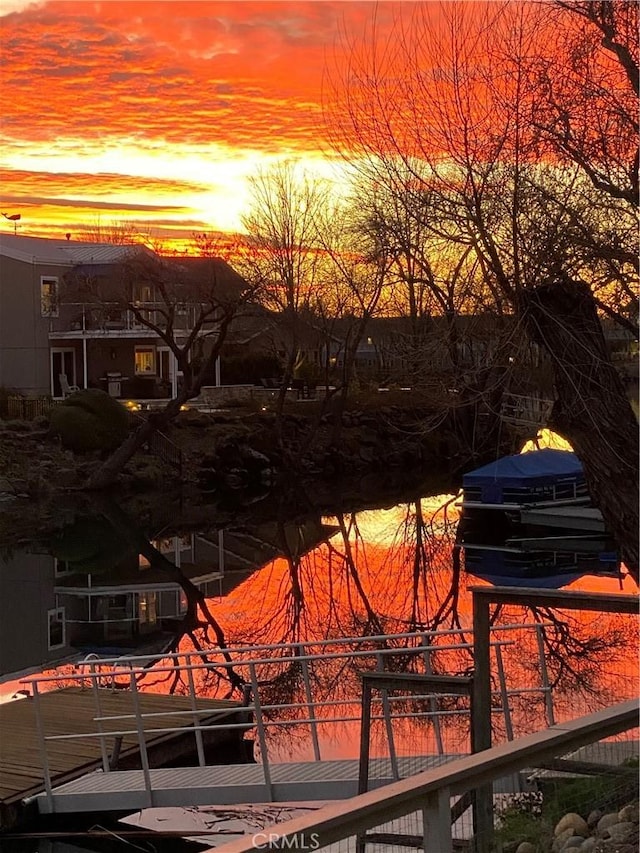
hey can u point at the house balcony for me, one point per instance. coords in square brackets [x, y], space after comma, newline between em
[110, 320]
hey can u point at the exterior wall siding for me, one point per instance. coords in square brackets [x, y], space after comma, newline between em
[24, 343]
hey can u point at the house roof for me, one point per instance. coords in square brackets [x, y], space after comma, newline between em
[198, 268]
[66, 253]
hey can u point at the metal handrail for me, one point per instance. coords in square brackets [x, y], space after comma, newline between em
[124, 663]
[412, 650]
[290, 706]
[429, 792]
[247, 726]
[188, 663]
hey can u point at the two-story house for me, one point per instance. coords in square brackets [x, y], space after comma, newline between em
[35, 346]
[62, 315]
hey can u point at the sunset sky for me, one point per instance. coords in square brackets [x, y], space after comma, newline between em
[158, 111]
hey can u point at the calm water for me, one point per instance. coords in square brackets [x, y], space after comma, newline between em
[115, 582]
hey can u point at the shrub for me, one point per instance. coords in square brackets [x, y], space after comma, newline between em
[40, 422]
[521, 819]
[90, 420]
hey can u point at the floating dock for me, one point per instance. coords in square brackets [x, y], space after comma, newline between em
[73, 709]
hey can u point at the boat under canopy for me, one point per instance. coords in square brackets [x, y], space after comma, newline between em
[541, 476]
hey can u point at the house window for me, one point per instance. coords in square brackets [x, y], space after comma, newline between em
[145, 360]
[49, 297]
[56, 628]
[61, 568]
[147, 608]
[142, 293]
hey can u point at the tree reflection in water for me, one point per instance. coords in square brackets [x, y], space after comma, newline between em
[383, 572]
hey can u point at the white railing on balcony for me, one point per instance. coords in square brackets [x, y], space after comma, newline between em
[109, 317]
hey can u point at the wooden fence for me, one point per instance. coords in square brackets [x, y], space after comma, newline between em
[28, 408]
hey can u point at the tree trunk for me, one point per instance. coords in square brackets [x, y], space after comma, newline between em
[128, 532]
[108, 472]
[592, 410]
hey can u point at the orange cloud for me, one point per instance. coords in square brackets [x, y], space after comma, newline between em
[199, 92]
[227, 72]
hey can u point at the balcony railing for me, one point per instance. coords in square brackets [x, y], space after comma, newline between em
[109, 317]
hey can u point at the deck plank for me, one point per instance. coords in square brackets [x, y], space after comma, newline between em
[72, 710]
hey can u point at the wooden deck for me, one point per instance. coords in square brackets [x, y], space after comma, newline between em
[72, 710]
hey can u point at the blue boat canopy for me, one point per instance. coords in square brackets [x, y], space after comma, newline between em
[524, 469]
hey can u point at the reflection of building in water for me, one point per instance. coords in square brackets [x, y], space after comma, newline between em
[33, 628]
[134, 601]
[50, 611]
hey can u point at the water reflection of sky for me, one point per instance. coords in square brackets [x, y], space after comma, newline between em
[377, 571]
[382, 571]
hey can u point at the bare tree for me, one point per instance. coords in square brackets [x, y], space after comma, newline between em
[283, 257]
[119, 232]
[355, 274]
[433, 271]
[587, 107]
[194, 302]
[463, 97]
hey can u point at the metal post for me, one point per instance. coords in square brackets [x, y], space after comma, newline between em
[433, 704]
[436, 823]
[546, 686]
[46, 772]
[196, 720]
[221, 551]
[85, 383]
[365, 736]
[481, 717]
[262, 738]
[386, 713]
[95, 687]
[144, 758]
[365, 746]
[173, 371]
[311, 711]
[506, 710]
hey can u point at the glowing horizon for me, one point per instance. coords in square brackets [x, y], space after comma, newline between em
[158, 114]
